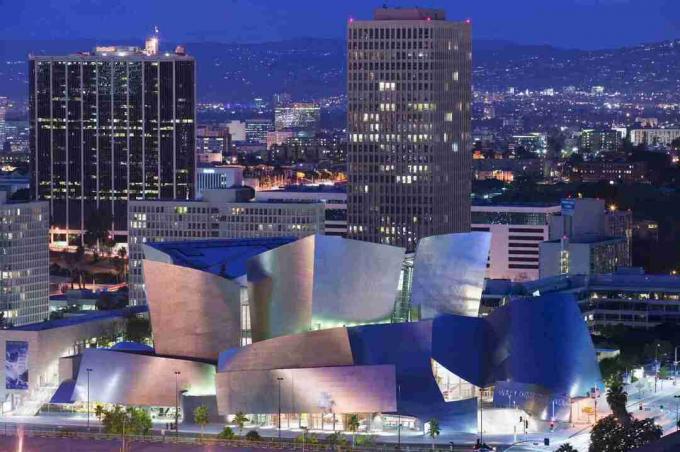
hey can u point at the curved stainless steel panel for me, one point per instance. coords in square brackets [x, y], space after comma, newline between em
[280, 283]
[136, 379]
[354, 282]
[322, 348]
[193, 313]
[346, 389]
[448, 274]
[321, 282]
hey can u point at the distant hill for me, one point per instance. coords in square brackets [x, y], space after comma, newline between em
[312, 68]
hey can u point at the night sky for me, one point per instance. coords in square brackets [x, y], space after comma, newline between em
[586, 24]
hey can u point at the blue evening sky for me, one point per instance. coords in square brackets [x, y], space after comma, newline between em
[584, 24]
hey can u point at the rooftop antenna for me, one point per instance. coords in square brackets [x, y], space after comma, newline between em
[151, 45]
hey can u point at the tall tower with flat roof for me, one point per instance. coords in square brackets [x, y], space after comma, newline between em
[409, 88]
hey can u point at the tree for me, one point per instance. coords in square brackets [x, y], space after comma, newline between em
[610, 435]
[336, 439]
[226, 433]
[240, 420]
[131, 421]
[617, 398]
[137, 329]
[433, 430]
[201, 417]
[366, 441]
[121, 263]
[108, 301]
[97, 229]
[566, 447]
[353, 425]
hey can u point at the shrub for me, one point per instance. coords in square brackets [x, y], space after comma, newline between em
[253, 436]
[226, 433]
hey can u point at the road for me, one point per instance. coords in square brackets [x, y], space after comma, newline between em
[660, 405]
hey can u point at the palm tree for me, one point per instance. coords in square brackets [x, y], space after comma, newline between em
[240, 420]
[433, 430]
[353, 425]
[99, 412]
[617, 399]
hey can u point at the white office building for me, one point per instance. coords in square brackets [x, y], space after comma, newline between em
[516, 232]
[654, 137]
[334, 199]
[24, 262]
[218, 178]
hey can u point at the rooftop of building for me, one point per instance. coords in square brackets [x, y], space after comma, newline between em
[589, 240]
[80, 319]
[254, 202]
[319, 188]
[221, 257]
[624, 280]
[386, 13]
[151, 52]
[497, 203]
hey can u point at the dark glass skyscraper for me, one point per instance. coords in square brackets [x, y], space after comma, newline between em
[409, 94]
[109, 126]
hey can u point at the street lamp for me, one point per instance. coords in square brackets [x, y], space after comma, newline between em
[481, 416]
[177, 374]
[675, 367]
[279, 379]
[656, 366]
[88, 370]
[398, 418]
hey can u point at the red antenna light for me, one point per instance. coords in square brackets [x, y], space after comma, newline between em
[468, 21]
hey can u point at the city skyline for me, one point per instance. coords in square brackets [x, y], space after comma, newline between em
[525, 22]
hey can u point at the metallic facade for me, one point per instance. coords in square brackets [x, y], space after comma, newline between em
[346, 389]
[448, 273]
[537, 352]
[409, 96]
[196, 326]
[139, 379]
[107, 127]
[320, 282]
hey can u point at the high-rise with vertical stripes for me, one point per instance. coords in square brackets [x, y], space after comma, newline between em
[409, 95]
[109, 126]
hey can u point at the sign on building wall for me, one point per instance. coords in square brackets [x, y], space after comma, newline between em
[16, 365]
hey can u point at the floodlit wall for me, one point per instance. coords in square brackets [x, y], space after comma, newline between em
[193, 313]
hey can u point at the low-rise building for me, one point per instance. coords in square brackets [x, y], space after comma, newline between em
[516, 233]
[333, 197]
[605, 170]
[586, 238]
[218, 178]
[653, 136]
[212, 144]
[630, 298]
[32, 370]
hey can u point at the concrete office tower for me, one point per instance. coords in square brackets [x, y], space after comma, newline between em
[409, 87]
[109, 126]
[24, 262]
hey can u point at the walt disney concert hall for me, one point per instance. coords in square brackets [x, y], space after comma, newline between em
[321, 327]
